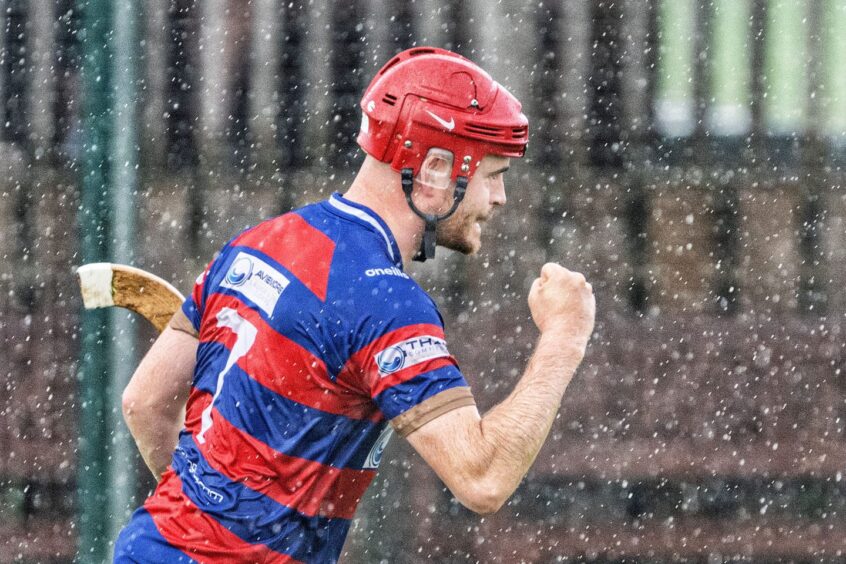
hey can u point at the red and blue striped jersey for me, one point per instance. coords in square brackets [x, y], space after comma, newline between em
[311, 339]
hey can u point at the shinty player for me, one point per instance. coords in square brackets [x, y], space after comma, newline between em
[304, 345]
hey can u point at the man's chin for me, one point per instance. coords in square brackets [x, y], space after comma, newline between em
[462, 246]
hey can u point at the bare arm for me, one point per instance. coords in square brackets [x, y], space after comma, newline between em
[483, 459]
[154, 400]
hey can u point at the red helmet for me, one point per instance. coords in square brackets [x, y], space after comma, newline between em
[427, 97]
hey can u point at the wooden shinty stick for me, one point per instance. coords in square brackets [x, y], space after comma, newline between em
[105, 284]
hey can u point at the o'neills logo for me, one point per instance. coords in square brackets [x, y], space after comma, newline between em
[392, 271]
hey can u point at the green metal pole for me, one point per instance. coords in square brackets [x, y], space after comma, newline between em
[833, 103]
[123, 190]
[675, 104]
[94, 225]
[786, 63]
[730, 64]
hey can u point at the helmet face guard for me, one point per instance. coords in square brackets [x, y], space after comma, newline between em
[427, 98]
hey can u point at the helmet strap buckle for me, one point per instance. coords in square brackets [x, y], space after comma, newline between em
[428, 244]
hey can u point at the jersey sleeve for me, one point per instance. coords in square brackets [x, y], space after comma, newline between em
[187, 318]
[408, 370]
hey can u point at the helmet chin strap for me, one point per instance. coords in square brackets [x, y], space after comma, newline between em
[427, 246]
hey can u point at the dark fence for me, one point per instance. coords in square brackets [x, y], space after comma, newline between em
[673, 159]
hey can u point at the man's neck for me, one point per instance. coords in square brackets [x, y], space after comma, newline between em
[378, 188]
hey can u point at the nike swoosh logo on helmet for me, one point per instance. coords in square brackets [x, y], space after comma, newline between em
[449, 125]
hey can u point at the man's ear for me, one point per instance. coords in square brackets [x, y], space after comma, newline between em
[436, 169]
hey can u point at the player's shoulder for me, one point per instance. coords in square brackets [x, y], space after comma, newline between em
[369, 289]
[290, 226]
[296, 239]
[314, 227]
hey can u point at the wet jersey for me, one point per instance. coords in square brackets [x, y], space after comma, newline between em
[311, 340]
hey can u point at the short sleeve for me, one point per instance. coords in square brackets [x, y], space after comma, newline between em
[409, 372]
[189, 317]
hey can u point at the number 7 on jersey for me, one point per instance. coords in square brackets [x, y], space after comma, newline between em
[245, 336]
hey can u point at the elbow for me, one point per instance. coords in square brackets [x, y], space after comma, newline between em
[132, 406]
[484, 506]
[127, 405]
[483, 497]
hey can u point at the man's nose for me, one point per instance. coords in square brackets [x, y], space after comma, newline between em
[498, 192]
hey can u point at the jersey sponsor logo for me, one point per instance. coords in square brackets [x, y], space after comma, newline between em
[374, 457]
[256, 280]
[240, 271]
[409, 353]
[392, 271]
[390, 360]
[213, 495]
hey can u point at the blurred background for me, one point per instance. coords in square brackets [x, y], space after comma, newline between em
[686, 155]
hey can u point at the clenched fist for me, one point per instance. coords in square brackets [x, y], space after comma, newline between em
[563, 301]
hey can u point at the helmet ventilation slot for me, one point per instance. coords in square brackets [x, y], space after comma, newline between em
[421, 51]
[389, 99]
[486, 130]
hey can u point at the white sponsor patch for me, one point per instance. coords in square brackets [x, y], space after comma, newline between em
[256, 280]
[410, 352]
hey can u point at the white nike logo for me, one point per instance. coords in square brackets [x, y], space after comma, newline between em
[449, 125]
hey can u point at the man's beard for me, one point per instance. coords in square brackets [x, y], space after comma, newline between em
[452, 234]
